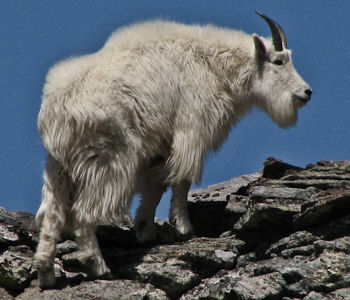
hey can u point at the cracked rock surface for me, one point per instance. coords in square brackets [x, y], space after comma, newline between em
[281, 233]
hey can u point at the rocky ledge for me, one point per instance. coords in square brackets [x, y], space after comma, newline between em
[281, 233]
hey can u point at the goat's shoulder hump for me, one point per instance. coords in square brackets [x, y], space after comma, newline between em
[136, 35]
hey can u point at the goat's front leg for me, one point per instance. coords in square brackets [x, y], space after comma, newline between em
[179, 217]
[89, 253]
[144, 220]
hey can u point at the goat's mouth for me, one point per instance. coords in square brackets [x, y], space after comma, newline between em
[302, 100]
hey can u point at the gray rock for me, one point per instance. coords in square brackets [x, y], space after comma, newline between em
[209, 210]
[98, 289]
[246, 259]
[339, 245]
[20, 228]
[282, 233]
[274, 168]
[220, 190]
[16, 267]
[173, 276]
[268, 192]
[4, 295]
[316, 296]
[341, 294]
[18, 219]
[297, 239]
[336, 228]
[176, 268]
[303, 250]
[262, 218]
[7, 236]
[218, 287]
[232, 285]
[237, 205]
[334, 205]
[325, 273]
[267, 286]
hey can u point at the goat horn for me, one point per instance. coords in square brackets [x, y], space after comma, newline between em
[279, 38]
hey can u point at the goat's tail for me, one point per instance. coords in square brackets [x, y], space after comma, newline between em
[104, 182]
[55, 195]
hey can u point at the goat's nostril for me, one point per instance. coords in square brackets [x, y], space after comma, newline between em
[308, 92]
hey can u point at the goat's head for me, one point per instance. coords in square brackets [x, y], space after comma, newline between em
[278, 87]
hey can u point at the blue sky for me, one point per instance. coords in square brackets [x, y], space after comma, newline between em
[36, 34]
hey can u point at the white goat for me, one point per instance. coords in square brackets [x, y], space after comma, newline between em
[142, 114]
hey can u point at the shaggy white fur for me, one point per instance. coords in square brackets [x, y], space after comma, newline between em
[142, 114]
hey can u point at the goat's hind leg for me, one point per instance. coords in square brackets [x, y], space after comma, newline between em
[51, 218]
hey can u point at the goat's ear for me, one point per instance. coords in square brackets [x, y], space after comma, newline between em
[260, 49]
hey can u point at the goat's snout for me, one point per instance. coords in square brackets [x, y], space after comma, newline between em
[308, 93]
[305, 97]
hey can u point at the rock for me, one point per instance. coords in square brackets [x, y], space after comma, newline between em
[325, 273]
[7, 236]
[340, 245]
[281, 233]
[274, 168]
[220, 191]
[267, 286]
[20, 228]
[4, 295]
[334, 205]
[316, 296]
[207, 215]
[266, 218]
[333, 229]
[329, 271]
[218, 287]
[295, 240]
[98, 289]
[237, 206]
[231, 285]
[209, 210]
[341, 294]
[176, 268]
[174, 276]
[16, 267]
[268, 192]
[303, 250]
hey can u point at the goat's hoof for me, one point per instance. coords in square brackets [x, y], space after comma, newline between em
[106, 275]
[146, 233]
[146, 239]
[46, 278]
[186, 236]
[102, 274]
[183, 228]
[100, 270]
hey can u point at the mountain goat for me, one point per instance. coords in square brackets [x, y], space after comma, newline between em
[142, 114]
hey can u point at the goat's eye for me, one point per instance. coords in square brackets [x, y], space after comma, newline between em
[278, 62]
